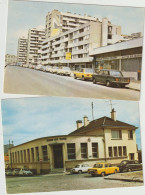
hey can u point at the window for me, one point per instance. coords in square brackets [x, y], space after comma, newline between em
[32, 154]
[115, 151]
[84, 150]
[37, 154]
[71, 151]
[28, 155]
[44, 152]
[130, 134]
[120, 151]
[110, 151]
[95, 150]
[116, 134]
[124, 151]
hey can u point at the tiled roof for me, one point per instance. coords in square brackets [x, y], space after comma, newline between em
[102, 123]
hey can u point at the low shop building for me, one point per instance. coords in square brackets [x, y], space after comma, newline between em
[125, 56]
[103, 139]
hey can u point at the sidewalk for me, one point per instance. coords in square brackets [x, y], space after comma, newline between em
[135, 85]
[136, 176]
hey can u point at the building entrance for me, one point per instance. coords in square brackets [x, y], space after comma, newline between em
[58, 156]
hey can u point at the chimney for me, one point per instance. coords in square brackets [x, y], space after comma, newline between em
[79, 124]
[86, 121]
[113, 114]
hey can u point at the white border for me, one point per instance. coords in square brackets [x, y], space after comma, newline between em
[3, 30]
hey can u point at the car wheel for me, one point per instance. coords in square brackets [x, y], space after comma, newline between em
[75, 76]
[94, 81]
[103, 174]
[83, 78]
[80, 172]
[115, 171]
[93, 175]
[108, 84]
[129, 170]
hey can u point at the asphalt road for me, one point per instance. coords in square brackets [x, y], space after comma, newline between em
[20, 80]
[48, 183]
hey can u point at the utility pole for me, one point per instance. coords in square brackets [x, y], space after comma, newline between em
[92, 111]
[10, 153]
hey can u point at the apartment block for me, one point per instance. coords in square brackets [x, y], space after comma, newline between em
[22, 50]
[35, 39]
[10, 59]
[58, 22]
[79, 42]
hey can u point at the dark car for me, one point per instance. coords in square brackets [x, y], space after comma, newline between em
[130, 165]
[111, 77]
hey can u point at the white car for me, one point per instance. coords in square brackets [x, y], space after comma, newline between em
[38, 67]
[48, 68]
[25, 172]
[65, 71]
[80, 168]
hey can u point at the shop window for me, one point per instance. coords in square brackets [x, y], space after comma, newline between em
[71, 151]
[115, 151]
[95, 150]
[116, 134]
[130, 134]
[83, 150]
[120, 151]
[44, 152]
[124, 151]
[110, 151]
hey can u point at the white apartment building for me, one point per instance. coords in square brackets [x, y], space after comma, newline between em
[22, 50]
[35, 39]
[79, 42]
[10, 59]
[58, 22]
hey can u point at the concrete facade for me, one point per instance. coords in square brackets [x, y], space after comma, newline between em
[79, 42]
[10, 59]
[35, 39]
[58, 22]
[125, 56]
[22, 50]
[104, 139]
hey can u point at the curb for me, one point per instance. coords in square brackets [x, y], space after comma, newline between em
[129, 180]
[133, 89]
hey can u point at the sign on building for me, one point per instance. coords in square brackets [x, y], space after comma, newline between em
[68, 55]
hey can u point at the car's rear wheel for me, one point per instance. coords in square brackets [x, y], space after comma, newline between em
[83, 78]
[115, 171]
[103, 174]
[80, 172]
[94, 81]
[108, 84]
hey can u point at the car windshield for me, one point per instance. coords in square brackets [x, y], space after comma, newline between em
[98, 165]
[77, 166]
[123, 163]
[89, 70]
[116, 73]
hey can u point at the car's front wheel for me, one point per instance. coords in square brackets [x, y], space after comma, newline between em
[94, 81]
[80, 172]
[75, 76]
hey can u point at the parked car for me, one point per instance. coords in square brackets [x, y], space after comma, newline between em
[16, 172]
[38, 67]
[80, 168]
[9, 172]
[103, 169]
[43, 68]
[55, 69]
[129, 165]
[48, 68]
[25, 172]
[111, 77]
[84, 74]
[65, 71]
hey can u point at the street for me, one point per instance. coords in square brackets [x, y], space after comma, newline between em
[47, 183]
[20, 80]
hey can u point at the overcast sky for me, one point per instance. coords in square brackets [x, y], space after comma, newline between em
[25, 119]
[23, 15]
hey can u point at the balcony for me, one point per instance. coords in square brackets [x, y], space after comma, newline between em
[80, 51]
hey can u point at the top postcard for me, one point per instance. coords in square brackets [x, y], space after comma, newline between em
[74, 50]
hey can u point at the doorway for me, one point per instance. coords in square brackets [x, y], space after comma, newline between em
[58, 156]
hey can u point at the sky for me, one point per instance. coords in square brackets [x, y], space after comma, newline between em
[24, 15]
[25, 119]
